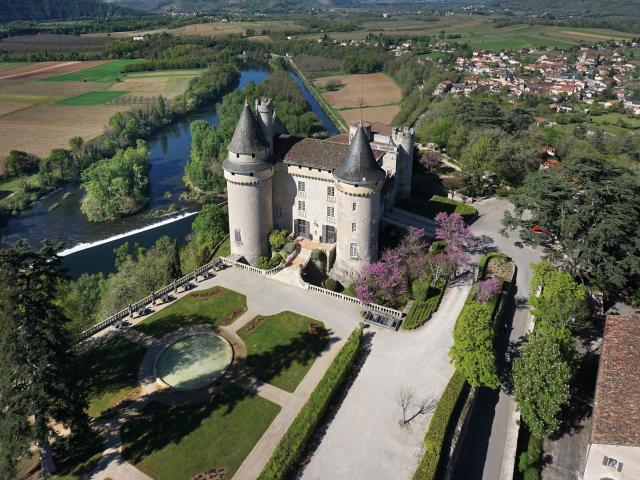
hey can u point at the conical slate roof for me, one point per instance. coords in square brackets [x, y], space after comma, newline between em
[360, 165]
[248, 137]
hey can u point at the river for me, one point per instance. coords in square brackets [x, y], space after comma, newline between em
[89, 246]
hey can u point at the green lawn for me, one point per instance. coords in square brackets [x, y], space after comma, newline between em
[215, 306]
[109, 372]
[281, 348]
[176, 443]
[107, 72]
[13, 184]
[9, 65]
[90, 98]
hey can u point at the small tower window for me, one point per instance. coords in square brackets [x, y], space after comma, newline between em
[354, 206]
[330, 212]
[354, 227]
[279, 211]
[301, 205]
[353, 250]
[237, 236]
[300, 186]
[331, 191]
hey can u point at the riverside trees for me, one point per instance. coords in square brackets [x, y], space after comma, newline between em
[118, 186]
[38, 388]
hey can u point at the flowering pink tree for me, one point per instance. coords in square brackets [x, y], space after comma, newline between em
[457, 237]
[486, 290]
[430, 160]
[381, 283]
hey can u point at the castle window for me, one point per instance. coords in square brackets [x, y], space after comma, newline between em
[237, 235]
[331, 191]
[353, 227]
[301, 206]
[330, 212]
[279, 211]
[353, 250]
[253, 155]
[354, 207]
[300, 186]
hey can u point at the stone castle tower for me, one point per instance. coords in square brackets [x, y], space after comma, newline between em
[249, 171]
[403, 137]
[359, 181]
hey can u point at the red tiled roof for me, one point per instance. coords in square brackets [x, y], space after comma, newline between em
[616, 411]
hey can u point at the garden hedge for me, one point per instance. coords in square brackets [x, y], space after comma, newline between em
[291, 447]
[484, 261]
[439, 204]
[421, 310]
[444, 418]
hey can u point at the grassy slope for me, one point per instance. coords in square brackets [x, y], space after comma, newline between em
[281, 348]
[215, 306]
[109, 372]
[176, 443]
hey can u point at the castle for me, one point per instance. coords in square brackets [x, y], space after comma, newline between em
[329, 191]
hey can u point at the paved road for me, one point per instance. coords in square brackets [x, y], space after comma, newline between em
[365, 440]
[482, 453]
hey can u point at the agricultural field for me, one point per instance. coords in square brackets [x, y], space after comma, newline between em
[43, 105]
[380, 96]
[479, 32]
[53, 43]
[239, 28]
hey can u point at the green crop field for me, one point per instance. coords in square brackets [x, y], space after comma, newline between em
[107, 72]
[90, 99]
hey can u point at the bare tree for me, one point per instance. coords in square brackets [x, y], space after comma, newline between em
[405, 397]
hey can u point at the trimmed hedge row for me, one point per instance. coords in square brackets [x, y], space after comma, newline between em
[292, 445]
[439, 204]
[421, 310]
[444, 418]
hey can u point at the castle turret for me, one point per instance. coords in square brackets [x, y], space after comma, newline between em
[266, 117]
[359, 181]
[403, 138]
[249, 171]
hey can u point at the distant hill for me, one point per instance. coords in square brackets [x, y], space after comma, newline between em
[575, 8]
[42, 10]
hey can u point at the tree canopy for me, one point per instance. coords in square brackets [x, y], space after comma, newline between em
[38, 381]
[593, 210]
[117, 186]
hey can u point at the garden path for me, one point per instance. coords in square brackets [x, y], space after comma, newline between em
[365, 440]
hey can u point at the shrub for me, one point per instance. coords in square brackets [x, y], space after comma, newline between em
[473, 351]
[266, 263]
[291, 447]
[330, 284]
[278, 238]
[421, 311]
[289, 247]
[444, 418]
[437, 247]
[484, 261]
[439, 204]
[420, 289]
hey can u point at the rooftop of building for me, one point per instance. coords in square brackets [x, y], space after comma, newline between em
[616, 411]
[314, 153]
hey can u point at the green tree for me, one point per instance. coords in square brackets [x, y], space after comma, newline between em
[277, 238]
[541, 377]
[38, 378]
[80, 299]
[473, 351]
[117, 186]
[593, 210]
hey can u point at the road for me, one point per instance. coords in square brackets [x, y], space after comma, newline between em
[482, 455]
